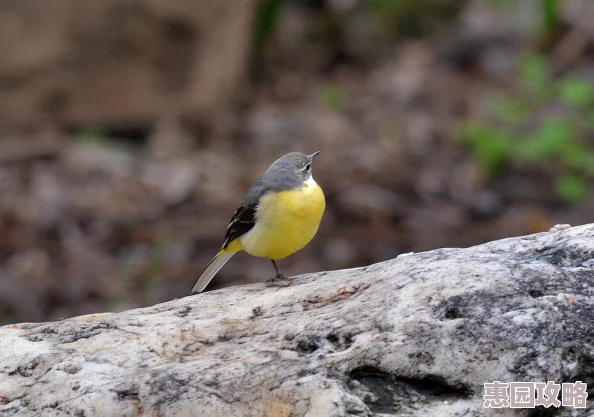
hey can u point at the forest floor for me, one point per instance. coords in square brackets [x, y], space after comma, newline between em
[90, 223]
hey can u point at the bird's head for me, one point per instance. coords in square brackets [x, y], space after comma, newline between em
[298, 163]
[291, 170]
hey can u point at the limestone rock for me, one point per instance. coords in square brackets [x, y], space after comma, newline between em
[413, 336]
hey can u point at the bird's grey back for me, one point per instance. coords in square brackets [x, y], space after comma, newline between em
[282, 175]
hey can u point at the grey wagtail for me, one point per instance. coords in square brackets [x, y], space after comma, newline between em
[279, 215]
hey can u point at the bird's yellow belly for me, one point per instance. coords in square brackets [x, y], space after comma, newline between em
[286, 222]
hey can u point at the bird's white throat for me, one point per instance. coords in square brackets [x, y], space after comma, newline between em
[310, 181]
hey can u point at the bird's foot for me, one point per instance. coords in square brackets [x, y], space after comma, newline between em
[279, 281]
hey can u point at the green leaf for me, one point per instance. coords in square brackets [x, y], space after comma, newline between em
[490, 147]
[381, 4]
[551, 139]
[531, 149]
[493, 152]
[473, 131]
[576, 92]
[551, 17]
[571, 188]
[577, 156]
[511, 110]
[267, 18]
[555, 132]
[534, 75]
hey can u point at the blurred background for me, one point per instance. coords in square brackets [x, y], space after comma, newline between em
[129, 132]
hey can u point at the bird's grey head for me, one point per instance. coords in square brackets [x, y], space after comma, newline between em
[289, 171]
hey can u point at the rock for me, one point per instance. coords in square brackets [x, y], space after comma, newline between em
[120, 65]
[417, 335]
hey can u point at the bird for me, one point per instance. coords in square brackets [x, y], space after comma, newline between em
[280, 214]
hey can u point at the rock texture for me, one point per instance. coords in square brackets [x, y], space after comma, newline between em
[414, 336]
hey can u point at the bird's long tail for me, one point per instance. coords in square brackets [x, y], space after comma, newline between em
[211, 269]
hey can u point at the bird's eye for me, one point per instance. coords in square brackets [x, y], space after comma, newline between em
[307, 167]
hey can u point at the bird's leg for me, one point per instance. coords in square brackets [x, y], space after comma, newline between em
[278, 276]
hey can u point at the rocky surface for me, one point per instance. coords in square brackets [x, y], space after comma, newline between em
[415, 336]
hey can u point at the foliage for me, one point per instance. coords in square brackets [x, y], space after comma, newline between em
[545, 124]
[551, 19]
[412, 18]
[267, 18]
[550, 14]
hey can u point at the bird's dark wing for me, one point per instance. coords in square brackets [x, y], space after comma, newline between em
[242, 222]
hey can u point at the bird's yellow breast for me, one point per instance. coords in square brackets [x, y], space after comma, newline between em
[285, 221]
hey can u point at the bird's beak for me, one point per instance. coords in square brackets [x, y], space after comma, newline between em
[313, 155]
